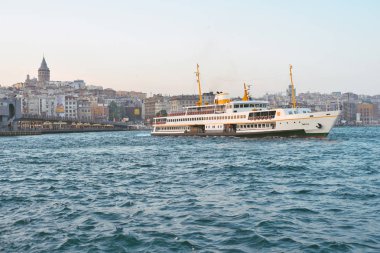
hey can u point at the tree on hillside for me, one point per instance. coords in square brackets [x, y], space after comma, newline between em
[162, 113]
[114, 111]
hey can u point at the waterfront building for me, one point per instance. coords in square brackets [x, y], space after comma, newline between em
[10, 108]
[208, 98]
[84, 110]
[131, 94]
[71, 107]
[59, 105]
[155, 104]
[99, 112]
[178, 103]
[133, 113]
[46, 108]
[349, 112]
[32, 105]
[366, 113]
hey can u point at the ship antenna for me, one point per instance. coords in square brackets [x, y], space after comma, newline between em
[293, 92]
[199, 103]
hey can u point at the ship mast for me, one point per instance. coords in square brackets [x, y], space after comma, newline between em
[246, 94]
[294, 104]
[199, 103]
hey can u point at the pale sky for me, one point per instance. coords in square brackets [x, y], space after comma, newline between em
[154, 46]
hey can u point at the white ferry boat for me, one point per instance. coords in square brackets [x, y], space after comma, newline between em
[244, 118]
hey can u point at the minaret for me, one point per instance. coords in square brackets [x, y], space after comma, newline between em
[43, 73]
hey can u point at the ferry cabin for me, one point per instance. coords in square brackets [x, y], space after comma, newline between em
[240, 118]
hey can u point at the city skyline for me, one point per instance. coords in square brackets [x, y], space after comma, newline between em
[154, 48]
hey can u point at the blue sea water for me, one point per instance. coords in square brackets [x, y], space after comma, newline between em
[130, 192]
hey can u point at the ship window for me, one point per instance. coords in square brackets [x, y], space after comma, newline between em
[246, 105]
[251, 105]
[236, 106]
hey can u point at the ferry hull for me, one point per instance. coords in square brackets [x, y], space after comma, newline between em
[286, 133]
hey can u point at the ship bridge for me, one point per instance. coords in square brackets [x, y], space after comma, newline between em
[250, 105]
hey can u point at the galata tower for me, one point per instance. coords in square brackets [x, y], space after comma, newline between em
[43, 72]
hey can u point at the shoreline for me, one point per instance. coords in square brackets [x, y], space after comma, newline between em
[58, 131]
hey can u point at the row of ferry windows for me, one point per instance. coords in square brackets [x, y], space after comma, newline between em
[208, 118]
[256, 126]
[249, 106]
[173, 128]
